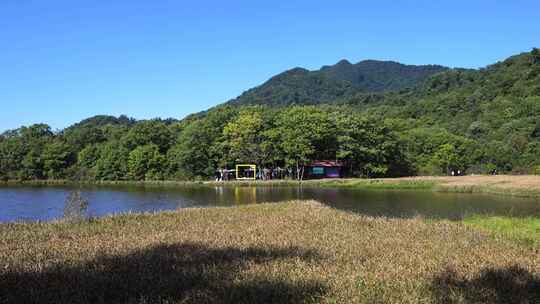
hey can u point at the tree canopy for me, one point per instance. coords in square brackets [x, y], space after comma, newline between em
[474, 121]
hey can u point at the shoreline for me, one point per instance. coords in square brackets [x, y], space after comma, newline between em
[527, 186]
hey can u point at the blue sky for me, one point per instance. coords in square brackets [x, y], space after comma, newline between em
[62, 61]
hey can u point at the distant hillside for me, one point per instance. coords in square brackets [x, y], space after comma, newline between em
[300, 86]
[103, 120]
[502, 97]
[475, 121]
[380, 76]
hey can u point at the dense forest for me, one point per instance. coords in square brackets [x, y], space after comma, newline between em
[381, 119]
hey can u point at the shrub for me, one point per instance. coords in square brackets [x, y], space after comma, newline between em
[75, 206]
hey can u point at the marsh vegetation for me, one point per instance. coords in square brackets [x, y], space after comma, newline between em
[295, 252]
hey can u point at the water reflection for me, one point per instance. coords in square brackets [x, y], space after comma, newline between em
[47, 203]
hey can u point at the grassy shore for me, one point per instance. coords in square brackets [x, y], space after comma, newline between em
[524, 230]
[513, 185]
[296, 252]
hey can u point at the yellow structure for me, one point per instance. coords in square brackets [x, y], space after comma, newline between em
[243, 168]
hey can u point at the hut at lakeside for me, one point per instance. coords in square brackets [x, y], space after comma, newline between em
[324, 169]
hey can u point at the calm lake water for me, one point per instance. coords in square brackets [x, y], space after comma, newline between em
[22, 203]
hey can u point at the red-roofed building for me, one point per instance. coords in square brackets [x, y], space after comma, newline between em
[324, 169]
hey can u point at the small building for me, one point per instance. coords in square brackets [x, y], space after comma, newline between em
[324, 169]
[246, 171]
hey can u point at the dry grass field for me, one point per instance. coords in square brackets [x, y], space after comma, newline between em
[497, 181]
[516, 185]
[295, 252]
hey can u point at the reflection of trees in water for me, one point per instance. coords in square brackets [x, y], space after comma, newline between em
[371, 202]
[245, 195]
[408, 204]
[239, 195]
[390, 203]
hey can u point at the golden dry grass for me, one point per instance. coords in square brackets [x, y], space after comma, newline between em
[296, 252]
[516, 185]
[502, 181]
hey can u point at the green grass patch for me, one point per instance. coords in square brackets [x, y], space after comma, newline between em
[524, 230]
[357, 183]
[381, 184]
[488, 189]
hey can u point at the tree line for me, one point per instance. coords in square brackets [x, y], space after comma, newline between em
[291, 137]
[475, 121]
[156, 149]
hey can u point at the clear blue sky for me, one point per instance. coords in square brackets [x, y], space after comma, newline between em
[62, 61]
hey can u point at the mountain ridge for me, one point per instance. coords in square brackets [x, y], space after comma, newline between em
[302, 86]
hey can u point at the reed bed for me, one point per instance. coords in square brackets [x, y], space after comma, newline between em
[294, 252]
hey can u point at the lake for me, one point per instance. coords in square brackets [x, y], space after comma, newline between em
[25, 203]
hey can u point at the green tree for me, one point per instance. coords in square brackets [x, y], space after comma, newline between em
[32, 166]
[369, 146]
[57, 157]
[12, 153]
[79, 137]
[112, 162]
[305, 133]
[35, 132]
[245, 140]
[198, 151]
[86, 161]
[446, 158]
[146, 163]
[149, 132]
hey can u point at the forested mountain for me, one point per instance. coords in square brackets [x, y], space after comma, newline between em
[103, 120]
[497, 108]
[296, 86]
[475, 121]
[302, 87]
[380, 76]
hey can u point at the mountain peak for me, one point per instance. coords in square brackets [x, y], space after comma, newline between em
[343, 62]
[301, 86]
[296, 70]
